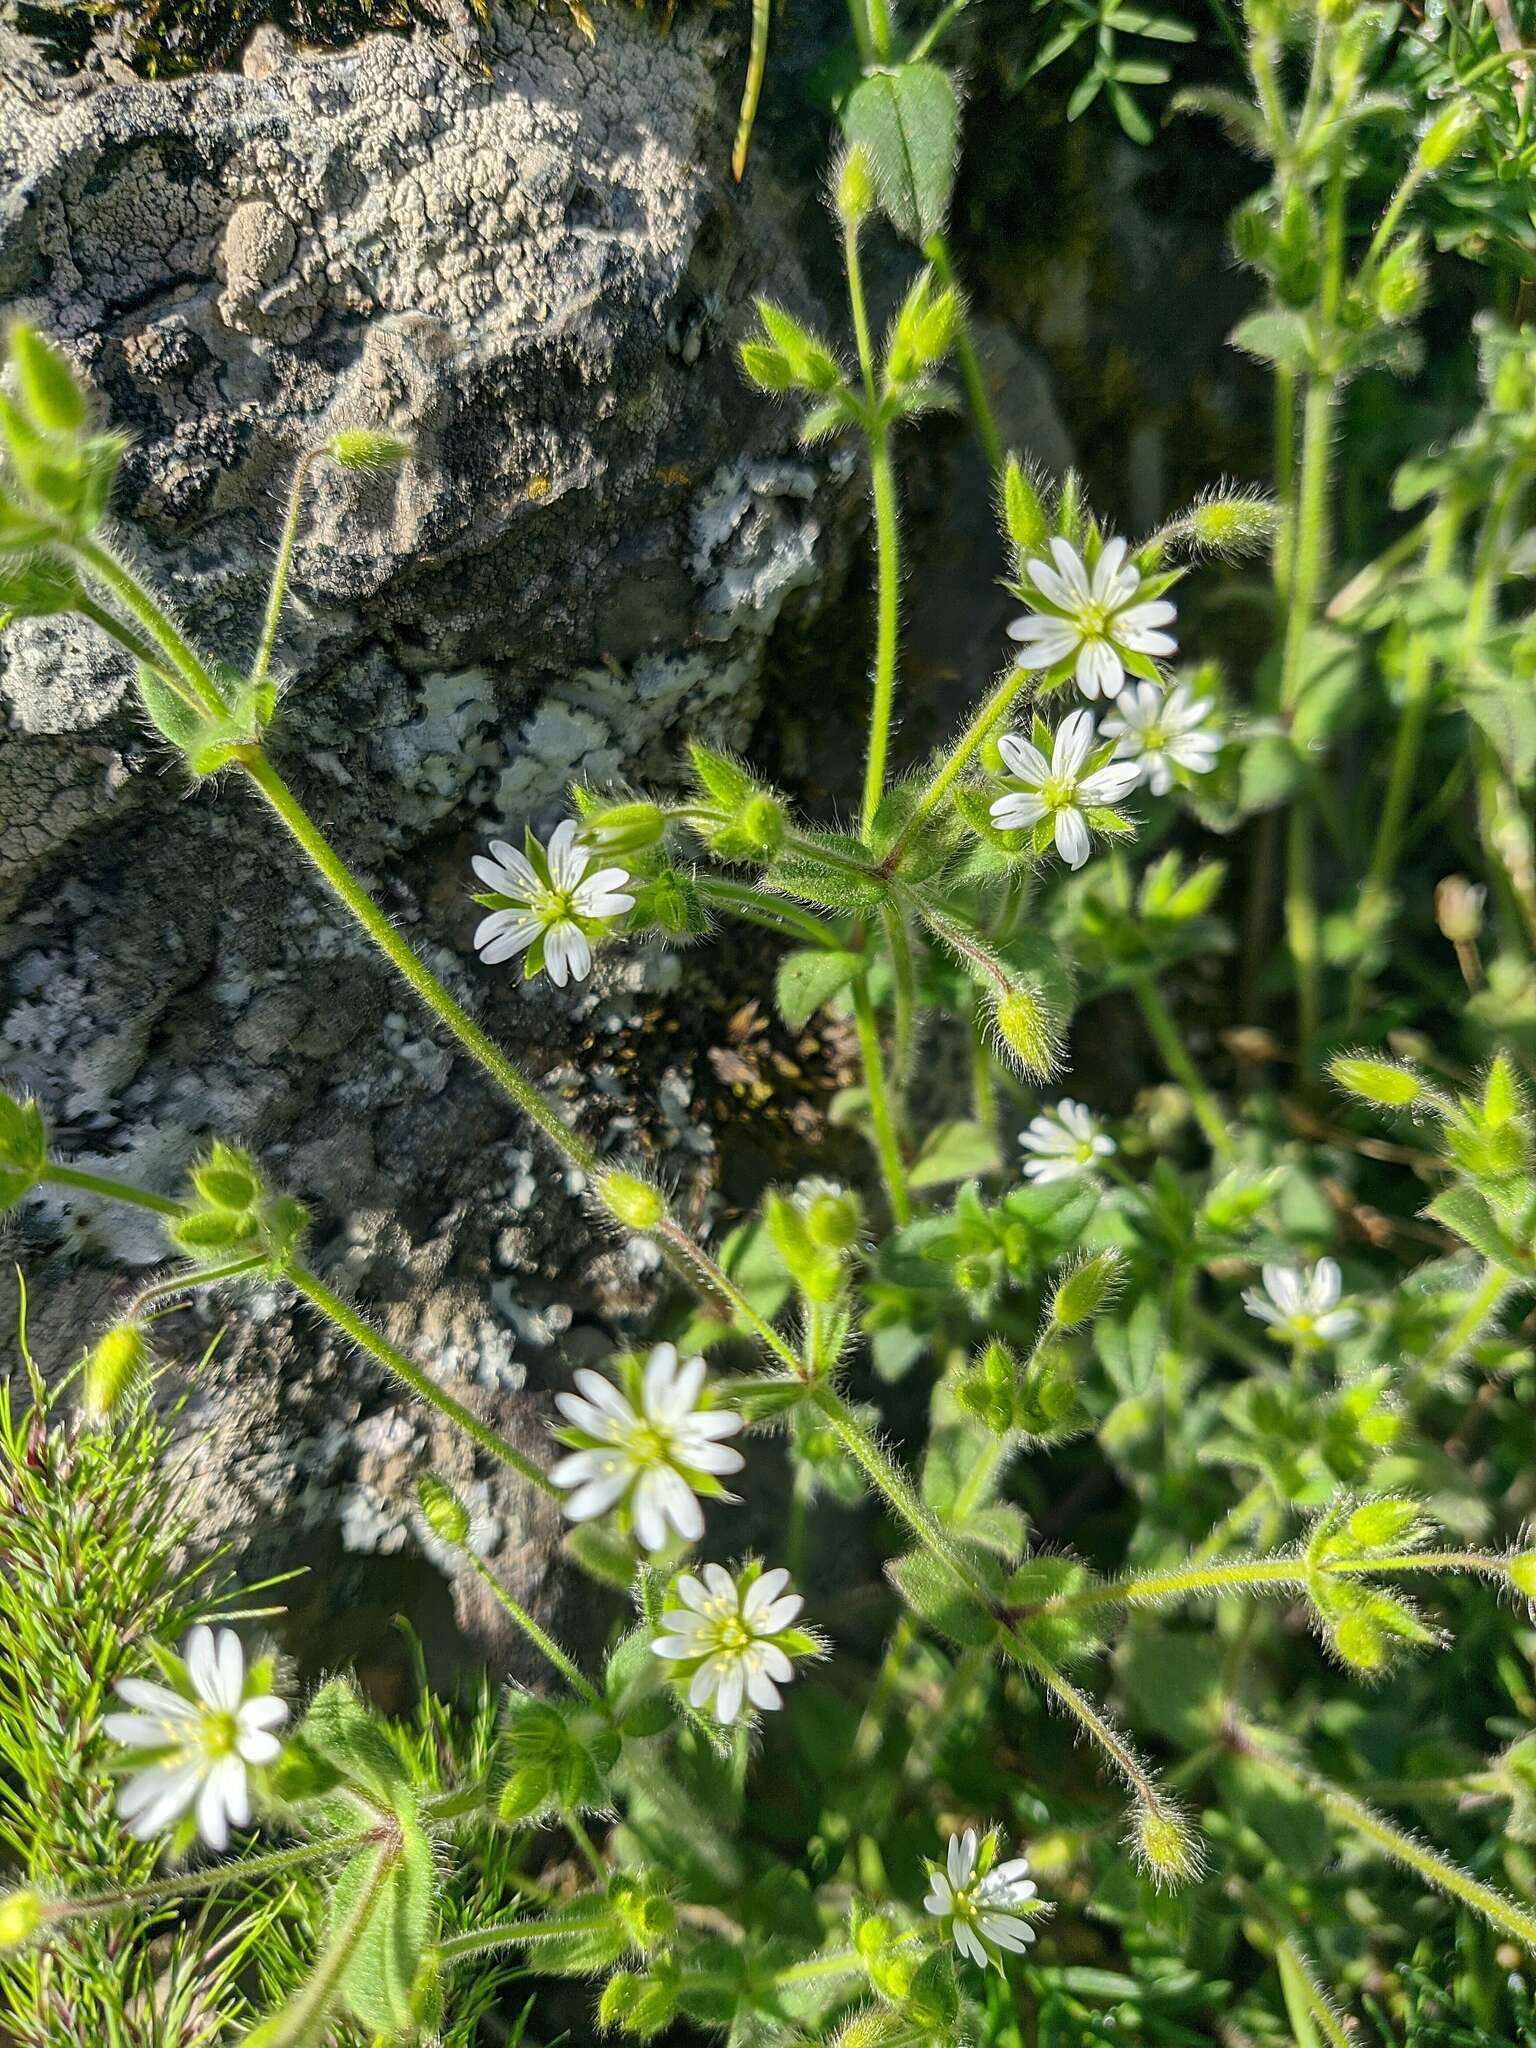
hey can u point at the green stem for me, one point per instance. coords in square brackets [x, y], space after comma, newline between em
[186, 1282]
[845, 1963]
[1160, 1022]
[904, 992]
[1495, 1284]
[1137, 1776]
[537, 1107]
[888, 582]
[986, 720]
[892, 1171]
[149, 657]
[366, 1338]
[99, 561]
[880, 29]
[771, 912]
[934, 30]
[1418, 694]
[284, 563]
[686, 1257]
[110, 1190]
[1283, 1574]
[1428, 1864]
[898, 1492]
[1302, 1983]
[509, 1933]
[191, 1884]
[545, 1644]
[936, 249]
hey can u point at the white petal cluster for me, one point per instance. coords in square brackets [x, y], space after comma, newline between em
[728, 1640]
[199, 1742]
[1160, 733]
[977, 1901]
[564, 906]
[1063, 1142]
[1303, 1304]
[1058, 788]
[1092, 619]
[654, 1456]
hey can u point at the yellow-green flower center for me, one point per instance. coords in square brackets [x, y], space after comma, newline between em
[218, 1733]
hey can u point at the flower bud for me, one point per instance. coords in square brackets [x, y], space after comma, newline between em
[21, 1914]
[113, 1367]
[761, 825]
[1084, 1289]
[1024, 512]
[1027, 1030]
[1383, 1082]
[832, 1220]
[1239, 523]
[1459, 909]
[853, 189]
[631, 1201]
[1522, 1573]
[623, 829]
[1448, 133]
[442, 1510]
[357, 448]
[1167, 1846]
[648, 1916]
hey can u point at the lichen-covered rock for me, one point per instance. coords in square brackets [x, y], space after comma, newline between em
[535, 276]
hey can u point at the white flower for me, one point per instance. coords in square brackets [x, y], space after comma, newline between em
[1063, 1142]
[203, 1743]
[1302, 1306]
[977, 1899]
[732, 1639]
[553, 902]
[656, 1456]
[1058, 788]
[1163, 733]
[1092, 619]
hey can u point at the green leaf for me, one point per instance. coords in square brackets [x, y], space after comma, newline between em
[809, 978]
[47, 384]
[1468, 1213]
[938, 1597]
[954, 1151]
[1275, 337]
[347, 1735]
[167, 710]
[381, 1970]
[909, 122]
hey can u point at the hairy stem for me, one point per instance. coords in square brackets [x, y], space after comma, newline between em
[887, 1146]
[985, 722]
[366, 1338]
[936, 249]
[111, 1190]
[544, 1644]
[282, 566]
[1160, 1022]
[98, 561]
[1425, 1863]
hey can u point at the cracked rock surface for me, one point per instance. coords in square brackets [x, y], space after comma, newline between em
[534, 276]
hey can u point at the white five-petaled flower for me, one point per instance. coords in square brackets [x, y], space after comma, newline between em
[1058, 789]
[732, 1639]
[1093, 619]
[1302, 1307]
[978, 1899]
[1160, 733]
[199, 1745]
[556, 899]
[1063, 1142]
[656, 1453]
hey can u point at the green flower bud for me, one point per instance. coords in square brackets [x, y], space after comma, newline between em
[832, 1221]
[1024, 513]
[648, 1917]
[1459, 909]
[1028, 1031]
[623, 829]
[853, 187]
[21, 1914]
[1083, 1290]
[113, 1367]
[1167, 1847]
[1451, 129]
[761, 825]
[442, 1510]
[23, 1148]
[631, 1201]
[1238, 523]
[525, 1791]
[358, 448]
[1522, 1573]
[1384, 1082]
